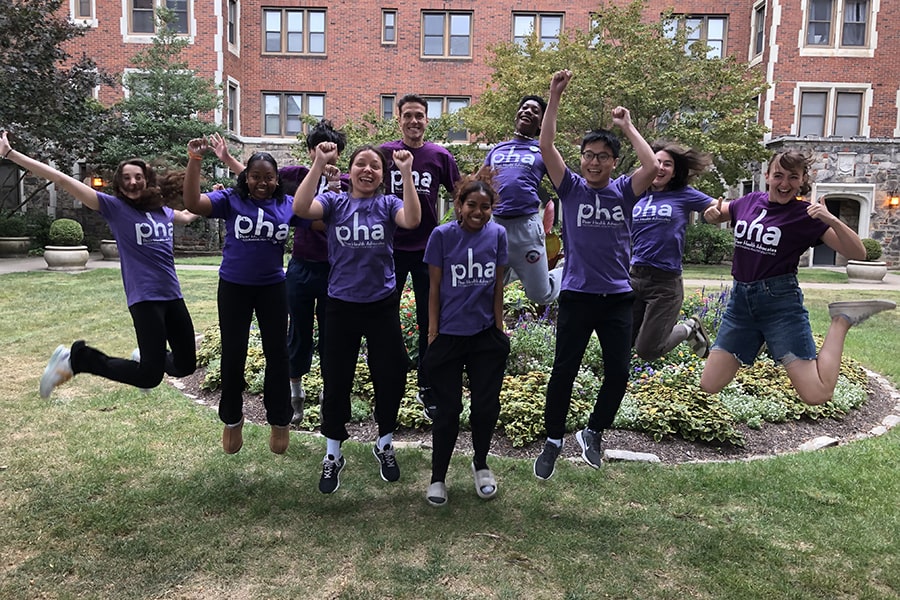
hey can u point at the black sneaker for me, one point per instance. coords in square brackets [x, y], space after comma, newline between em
[545, 463]
[390, 471]
[429, 408]
[590, 442]
[331, 474]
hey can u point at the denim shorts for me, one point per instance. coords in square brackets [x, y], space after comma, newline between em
[770, 311]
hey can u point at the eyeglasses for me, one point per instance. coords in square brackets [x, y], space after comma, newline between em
[590, 156]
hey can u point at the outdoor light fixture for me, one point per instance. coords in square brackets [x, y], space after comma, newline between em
[894, 199]
[96, 182]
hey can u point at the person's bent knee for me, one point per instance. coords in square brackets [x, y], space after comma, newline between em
[815, 399]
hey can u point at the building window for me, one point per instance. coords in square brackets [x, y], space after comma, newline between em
[9, 184]
[547, 27]
[389, 27]
[232, 108]
[143, 15]
[759, 29]
[442, 106]
[846, 19]
[446, 34]
[387, 107]
[830, 113]
[83, 9]
[233, 12]
[699, 29]
[294, 31]
[282, 112]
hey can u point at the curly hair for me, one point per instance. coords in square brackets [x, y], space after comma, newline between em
[689, 163]
[480, 181]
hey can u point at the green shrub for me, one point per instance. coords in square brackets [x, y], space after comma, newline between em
[707, 244]
[66, 232]
[13, 226]
[873, 249]
[38, 228]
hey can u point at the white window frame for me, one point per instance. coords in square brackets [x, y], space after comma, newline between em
[757, 28]
[389, 102]
[385, 13]
[233, 105]
[447, 34]
[439, 106]
[131, 37]
[283, 112]
[679, 21]
[233, 46]
[832, 89]
[834, 47]
[89, 20]
[537, 23]
[306, 32]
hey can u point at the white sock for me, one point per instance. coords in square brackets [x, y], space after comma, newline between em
[333, 447]
[385, 440]
[556, 442]
[296, 388]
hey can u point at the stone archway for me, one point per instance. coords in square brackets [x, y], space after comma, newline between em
[852, 203]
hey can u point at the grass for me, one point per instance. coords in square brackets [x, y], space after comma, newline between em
[723, 272]
[106, 492]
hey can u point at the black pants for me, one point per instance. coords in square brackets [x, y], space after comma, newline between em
[347, 324]
[156, 322]
[237, 303]
[413, 263]
[609, 315]
[483, 357]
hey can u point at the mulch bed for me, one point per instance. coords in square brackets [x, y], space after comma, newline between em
[769, 440]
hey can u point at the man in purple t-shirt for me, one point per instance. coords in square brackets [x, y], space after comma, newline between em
[433, 167]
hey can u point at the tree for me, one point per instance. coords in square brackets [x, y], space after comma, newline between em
[46, 96]
[672, 89]
[165, 97]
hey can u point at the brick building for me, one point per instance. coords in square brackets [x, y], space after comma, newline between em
[833, 66]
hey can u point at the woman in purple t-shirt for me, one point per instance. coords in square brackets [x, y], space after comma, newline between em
[142, 226]
[771, 231]
[363, 300]
[659, 222]
[257, 217]
[466, 260]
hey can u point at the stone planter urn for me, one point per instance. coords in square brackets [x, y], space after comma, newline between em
[866, 270]
[14, 247]
[66, 258]
[109, 249]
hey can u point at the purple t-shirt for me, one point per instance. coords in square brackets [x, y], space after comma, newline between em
[144, 239]
[309, 244]
[519, 169]
[659, 222]
[770, 237]
[255, 233]
[596, 234]
[433, 166]
[468, 262]
[360, 245]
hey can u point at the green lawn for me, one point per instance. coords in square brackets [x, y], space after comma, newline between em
[106, 492]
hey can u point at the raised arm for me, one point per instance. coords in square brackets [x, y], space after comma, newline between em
[553, 160]
[305, 205]
[840, 237]
[410, 215]
[83, 193]
[644, 175]
[718, 212]
[220, 147]
[194, 201]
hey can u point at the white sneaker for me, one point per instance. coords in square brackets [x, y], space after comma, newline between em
[136, 357]
[57, 372]
[857, 311]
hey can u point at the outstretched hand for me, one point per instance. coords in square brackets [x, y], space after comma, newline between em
[403, 159]
[198, 146]
[219, 146]
[713, 213]
[621, 117]
[559, 81]
[5, 147]
[327, 152]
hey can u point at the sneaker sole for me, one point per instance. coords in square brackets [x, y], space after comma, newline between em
[580, 437]
[46, 386]
[872, 307]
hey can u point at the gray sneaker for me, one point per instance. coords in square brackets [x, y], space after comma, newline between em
[590, 442]
[858, 311]
[699, 339]
[297, 403]
[545, 463]
[57, 372]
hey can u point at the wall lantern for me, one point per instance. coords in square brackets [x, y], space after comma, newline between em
[97, 182]
[894, 199]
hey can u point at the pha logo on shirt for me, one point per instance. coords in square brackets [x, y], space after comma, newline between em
[153, 231]
[422, 181]
[511, 158]
[756, 236]
[471, 272]
[651, 211]
[359, 234]
[247, 229]
[597, 215]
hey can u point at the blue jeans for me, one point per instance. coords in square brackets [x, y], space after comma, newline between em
[769, 310]
[307, 295]
[580, 314]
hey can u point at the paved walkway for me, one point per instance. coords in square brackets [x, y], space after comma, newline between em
[36, 263]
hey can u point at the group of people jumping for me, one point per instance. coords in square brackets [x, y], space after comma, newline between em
[358, 237]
